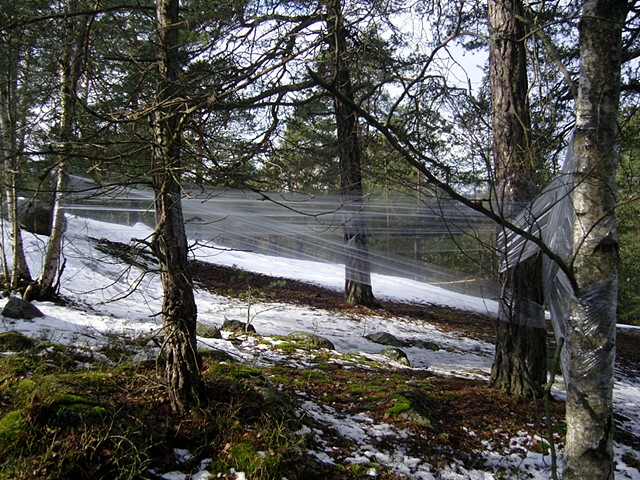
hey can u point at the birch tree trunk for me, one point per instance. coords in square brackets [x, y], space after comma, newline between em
[179, 312]
[519, 366]
[358, 290]
[71, 68]
[590, 357]
[19, 276]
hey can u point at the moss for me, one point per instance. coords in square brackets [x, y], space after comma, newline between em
[15, 342]
[217, 356]
[12, 431]
[245, 371]
[288, 347]
[401, 405]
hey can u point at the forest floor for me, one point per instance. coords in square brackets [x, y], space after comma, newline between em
[470, 405]
[222, 279]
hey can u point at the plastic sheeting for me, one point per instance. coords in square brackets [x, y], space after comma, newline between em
[576, 316]
[402, 229]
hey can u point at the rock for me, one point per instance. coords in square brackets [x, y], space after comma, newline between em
[384, 338]
[421, 407]
[20, 309]
[275, 403]
[236, 326]
[396, 355]
[427, 345]
[311, 341]
[218, 356]
[208, 331]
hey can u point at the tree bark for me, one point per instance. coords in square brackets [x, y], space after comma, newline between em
[179, 312]
[358, 290]
[589, 362]
[20, 275]
[519, 366]
[71, 67]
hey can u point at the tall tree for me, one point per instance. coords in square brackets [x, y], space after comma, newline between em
[519, 366]
[589, 362]
[15, 65]
[358, 288]
[169, 242]
[71, 67]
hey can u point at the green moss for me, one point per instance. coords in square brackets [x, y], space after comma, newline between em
[15, 366]
[15, 342]
[12, 427]
[400, 406]
[288, 347]
[245, 371]
[24, 387]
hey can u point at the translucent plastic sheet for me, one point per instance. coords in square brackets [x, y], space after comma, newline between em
[417, 237]
[576, 317]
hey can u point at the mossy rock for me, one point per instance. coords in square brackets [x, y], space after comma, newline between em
[275, 403]
[238, 327]
[311, 341]
[396, 355]
[208, 331]
[70, 410]
[414, 405]
[385, 338]
[218, 356]
[427, 345]
[15, 342]
[12, 430]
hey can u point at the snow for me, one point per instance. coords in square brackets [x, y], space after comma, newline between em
[124, 301]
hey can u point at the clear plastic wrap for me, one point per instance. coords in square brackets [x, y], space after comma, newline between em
[577, 316]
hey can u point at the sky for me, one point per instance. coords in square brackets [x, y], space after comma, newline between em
[111, 299]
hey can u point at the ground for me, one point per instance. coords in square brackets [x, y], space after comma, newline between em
[314, 414]
[225, 279]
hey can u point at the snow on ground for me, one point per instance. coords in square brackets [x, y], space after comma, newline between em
[119, 301]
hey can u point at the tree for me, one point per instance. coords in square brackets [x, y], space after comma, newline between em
[16, 64]
[179, 312]
[358, 289]
[71, 67]
[519, 366]
[589, 360]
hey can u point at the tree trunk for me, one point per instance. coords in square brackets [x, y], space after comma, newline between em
[71, 68]
[589, 361]
[20, 275]
[179, 311]
[358, 289]
[519, 366]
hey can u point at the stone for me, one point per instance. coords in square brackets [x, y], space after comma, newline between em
[384, 338]
[236, 326]
[208, 331]
[396, 355]
[427, 345]
[421, 407]
[20, 309]
[311, 341]
[275, 403]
